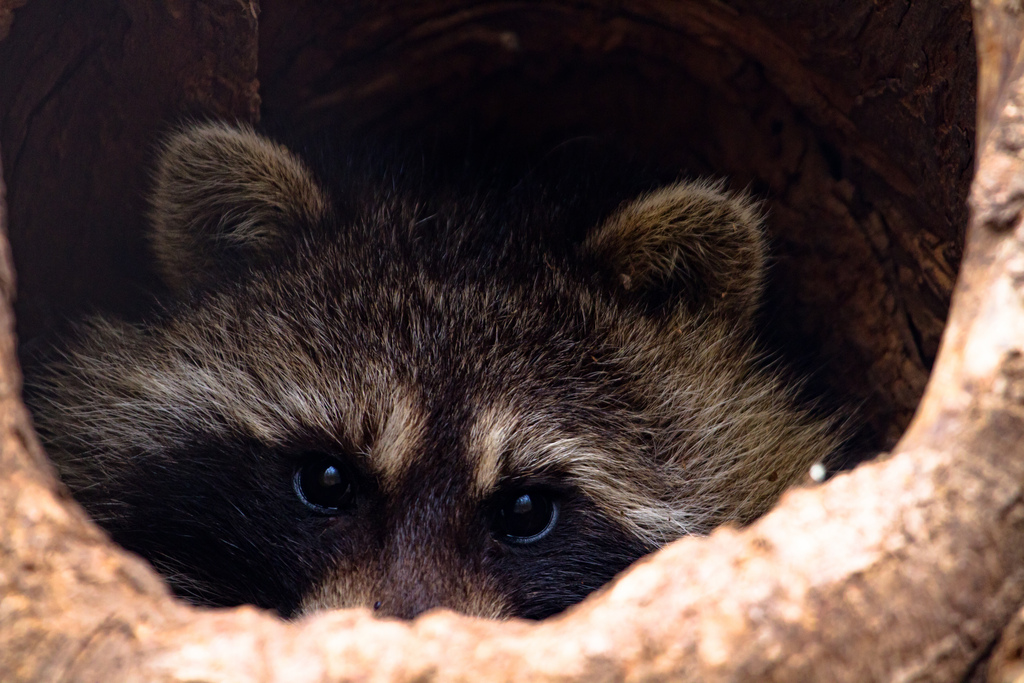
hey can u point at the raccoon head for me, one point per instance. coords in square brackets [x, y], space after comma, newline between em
[411, 397]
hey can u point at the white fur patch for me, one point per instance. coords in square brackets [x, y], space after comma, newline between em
[488, 437]
[403, 431]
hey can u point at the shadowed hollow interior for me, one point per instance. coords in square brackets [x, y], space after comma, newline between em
[855, 126]
[854, 123]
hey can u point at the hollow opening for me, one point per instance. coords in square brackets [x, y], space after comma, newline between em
[855, 127]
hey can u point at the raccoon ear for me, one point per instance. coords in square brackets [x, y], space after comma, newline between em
[223, 192]
[691, 243]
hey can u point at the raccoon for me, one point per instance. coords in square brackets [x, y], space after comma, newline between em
[362, 391]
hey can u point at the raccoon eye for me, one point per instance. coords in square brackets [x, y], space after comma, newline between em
[325, 485]
[525, 516]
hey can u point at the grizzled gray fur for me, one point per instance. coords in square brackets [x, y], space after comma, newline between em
[358, 393]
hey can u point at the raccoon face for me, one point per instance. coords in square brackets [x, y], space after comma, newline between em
[405, 400]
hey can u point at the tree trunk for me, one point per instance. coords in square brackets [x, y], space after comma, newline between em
[855, 120]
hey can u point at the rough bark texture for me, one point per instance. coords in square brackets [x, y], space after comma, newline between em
[906, 569]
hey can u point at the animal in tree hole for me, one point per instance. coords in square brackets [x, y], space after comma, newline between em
[365, 386]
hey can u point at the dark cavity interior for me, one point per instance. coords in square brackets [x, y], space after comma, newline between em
[856, 125]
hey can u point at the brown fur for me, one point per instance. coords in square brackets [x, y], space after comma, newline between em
[221, 188]
[446, 369]
[694, 235]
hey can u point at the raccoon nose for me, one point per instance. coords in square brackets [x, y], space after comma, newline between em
[408, 588]
[407, 600]
[479, 599]
[399, 608]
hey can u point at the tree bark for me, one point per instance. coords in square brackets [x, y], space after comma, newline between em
[908, 568]
[86, 89]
